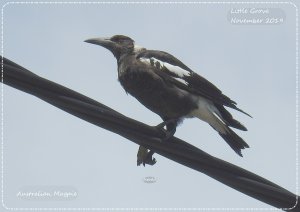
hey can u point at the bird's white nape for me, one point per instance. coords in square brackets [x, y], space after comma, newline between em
[138, 48]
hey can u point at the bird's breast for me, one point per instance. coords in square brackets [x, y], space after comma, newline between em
[135, 80]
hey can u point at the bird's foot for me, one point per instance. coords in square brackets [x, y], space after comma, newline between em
[145, 157]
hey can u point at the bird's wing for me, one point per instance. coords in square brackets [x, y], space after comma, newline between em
[174, 71]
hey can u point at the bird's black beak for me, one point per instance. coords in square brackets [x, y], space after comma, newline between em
[104, 42]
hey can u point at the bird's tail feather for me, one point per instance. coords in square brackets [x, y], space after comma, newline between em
[220, 119]
[227, 117]
[238, 109]
[234, 141]
[231, 138]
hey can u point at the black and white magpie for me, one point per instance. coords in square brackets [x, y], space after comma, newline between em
[172, 90]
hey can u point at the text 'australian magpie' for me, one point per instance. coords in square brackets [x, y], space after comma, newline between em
[172, 90]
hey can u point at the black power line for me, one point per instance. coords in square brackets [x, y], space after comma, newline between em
[150, 137]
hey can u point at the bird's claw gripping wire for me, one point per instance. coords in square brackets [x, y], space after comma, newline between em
[145, 157]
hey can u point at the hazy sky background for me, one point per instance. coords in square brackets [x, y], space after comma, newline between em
[254, 65]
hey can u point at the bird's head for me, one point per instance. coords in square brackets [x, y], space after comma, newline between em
[117, 44]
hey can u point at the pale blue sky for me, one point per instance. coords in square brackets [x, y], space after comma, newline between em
[254, 65]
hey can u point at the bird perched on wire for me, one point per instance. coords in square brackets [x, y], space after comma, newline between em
[169, 88]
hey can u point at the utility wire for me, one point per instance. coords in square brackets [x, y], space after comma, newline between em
[150, 137]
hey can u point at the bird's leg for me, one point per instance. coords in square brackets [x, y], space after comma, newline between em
[169, 133]
[171, 125]
[147, 156]
[144, 156]
[165, 123]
